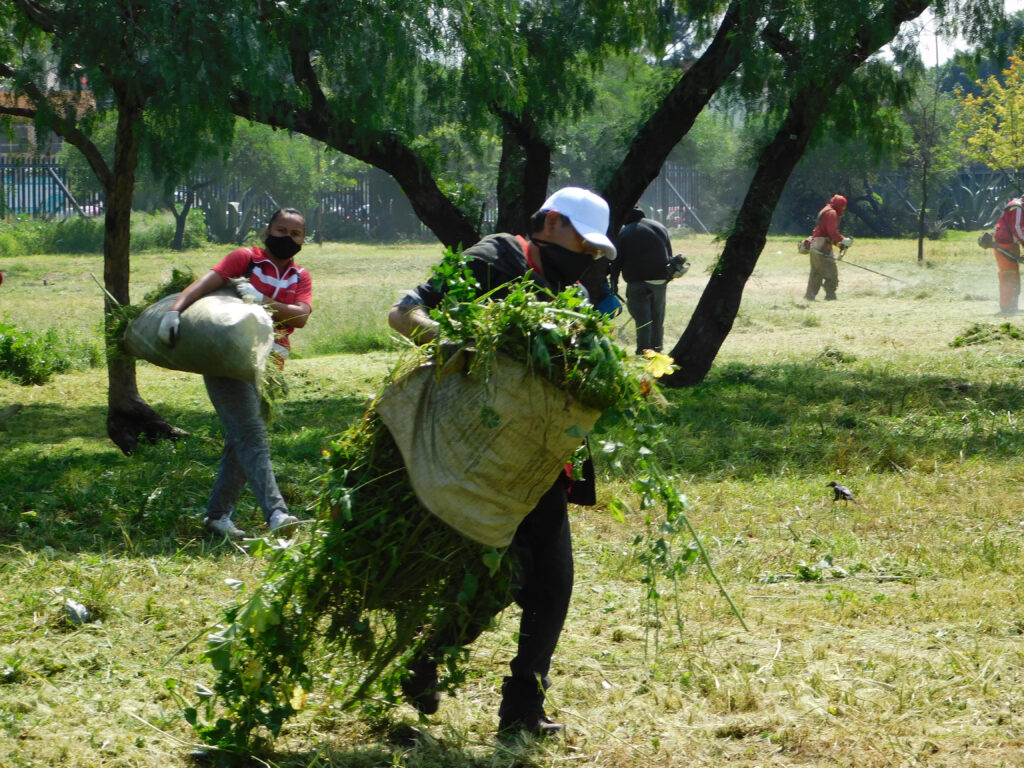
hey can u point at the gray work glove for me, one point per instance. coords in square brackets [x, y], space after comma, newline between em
[168, 330]
[249, 293]
[845, 243]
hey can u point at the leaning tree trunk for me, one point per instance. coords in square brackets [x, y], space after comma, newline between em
[716, 311]
[128, 416]
[676, 114]
[381, 149]
[523, 171]
[713, 318]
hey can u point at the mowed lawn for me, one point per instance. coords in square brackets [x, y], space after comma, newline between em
[883, 632]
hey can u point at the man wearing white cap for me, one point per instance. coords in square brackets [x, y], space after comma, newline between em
[568, 244]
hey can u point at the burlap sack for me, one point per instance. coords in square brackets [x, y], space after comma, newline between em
[480, 454]
[220, 335]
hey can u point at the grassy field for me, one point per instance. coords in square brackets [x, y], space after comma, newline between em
[888, 632]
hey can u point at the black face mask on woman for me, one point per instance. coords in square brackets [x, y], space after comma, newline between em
[562, 267]
[282, 246]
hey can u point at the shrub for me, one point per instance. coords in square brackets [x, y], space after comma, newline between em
[155, 231]
[75, 235]
[150, 231]
[29, 358]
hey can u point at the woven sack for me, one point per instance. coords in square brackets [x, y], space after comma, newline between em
[481, 452]
[220, 335]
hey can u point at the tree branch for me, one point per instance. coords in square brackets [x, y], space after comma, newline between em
[781, 44]
[64, 126]
[380, 149]
[40, 15]
[675, 115]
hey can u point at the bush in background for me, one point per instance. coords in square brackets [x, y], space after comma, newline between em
[30, 358]
[150, 231]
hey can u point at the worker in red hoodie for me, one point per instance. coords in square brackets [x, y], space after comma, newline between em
[1009, 235]
[823, 263]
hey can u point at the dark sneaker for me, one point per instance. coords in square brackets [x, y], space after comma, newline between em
[539, 725]
[522, 709]
[419, 687]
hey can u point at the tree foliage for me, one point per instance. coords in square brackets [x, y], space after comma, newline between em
[991, 124]
[163, 69]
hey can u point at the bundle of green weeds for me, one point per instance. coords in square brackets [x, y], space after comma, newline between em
[381, 581]
[559, 337]
[378, 583]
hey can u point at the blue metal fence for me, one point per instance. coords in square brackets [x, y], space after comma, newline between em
[39, 189]
[374, 207]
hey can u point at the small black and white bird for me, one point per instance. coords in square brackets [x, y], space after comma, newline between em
[840, 491]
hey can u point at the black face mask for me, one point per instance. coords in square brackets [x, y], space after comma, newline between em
[282, 246]
[562, 267]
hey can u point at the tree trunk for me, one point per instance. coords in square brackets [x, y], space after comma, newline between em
[674, 117]
[181, 219]
[523, 171]
[713, 318]
[128, 416]
[921, 215]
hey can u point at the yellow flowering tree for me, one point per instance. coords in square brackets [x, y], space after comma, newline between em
[991, 125]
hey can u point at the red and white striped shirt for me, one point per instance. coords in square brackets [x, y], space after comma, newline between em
[291, 285]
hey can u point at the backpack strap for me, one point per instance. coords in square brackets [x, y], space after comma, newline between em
[252, 264]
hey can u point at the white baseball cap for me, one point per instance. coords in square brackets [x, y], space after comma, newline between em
[588, 213]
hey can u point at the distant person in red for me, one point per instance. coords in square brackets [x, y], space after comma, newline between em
[823, 263]
[1009, 235]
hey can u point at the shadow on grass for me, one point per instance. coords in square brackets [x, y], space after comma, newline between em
[746, 421]
[743, 421]
[404, 745]
[67, 492]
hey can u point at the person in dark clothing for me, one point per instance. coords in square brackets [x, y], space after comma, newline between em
[567, 240]
[646, 263]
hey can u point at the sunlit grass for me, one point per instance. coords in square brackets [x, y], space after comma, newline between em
[885, 632]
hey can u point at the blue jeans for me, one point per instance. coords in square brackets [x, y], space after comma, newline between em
[646, 304]
[246, 454]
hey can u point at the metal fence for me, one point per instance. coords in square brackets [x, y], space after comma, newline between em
[39, 189]
[375, 208]
[674, 197]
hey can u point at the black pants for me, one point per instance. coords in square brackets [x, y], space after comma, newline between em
[542, 552]
[542, 548]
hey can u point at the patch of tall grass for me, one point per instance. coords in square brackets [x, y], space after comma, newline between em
[24, 236]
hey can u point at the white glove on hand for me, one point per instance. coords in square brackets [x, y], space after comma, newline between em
[846, 242]
[168, 331]
[248, 292]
